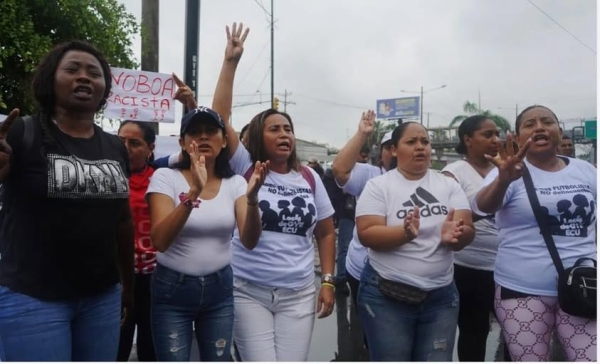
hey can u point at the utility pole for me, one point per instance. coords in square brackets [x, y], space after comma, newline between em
[150, 39]
[285, 101]
[272, 57]
[190, 55]
[516, 111]
[427, 121]
[479, 92]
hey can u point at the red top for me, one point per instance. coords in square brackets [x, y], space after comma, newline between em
[145, 254]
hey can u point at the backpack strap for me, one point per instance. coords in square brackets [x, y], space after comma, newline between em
[304, 171]
[309, 177]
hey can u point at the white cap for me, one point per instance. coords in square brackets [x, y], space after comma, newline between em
[386, 137]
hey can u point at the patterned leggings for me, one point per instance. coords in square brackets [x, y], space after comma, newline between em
[527, 324]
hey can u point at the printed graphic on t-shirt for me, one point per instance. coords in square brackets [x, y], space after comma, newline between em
[73, 177]
[291, 214]
[574, 214]
[427, 203]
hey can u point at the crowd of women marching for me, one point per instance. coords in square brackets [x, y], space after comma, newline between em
[216, 242]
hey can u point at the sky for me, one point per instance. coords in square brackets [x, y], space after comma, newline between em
[337, 57]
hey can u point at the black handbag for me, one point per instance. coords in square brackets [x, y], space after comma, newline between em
[576, 285]
[401, 292]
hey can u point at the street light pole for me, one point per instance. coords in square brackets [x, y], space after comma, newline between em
[421, 111]
[422, 93]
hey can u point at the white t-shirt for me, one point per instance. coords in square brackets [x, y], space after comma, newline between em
[284, 256]
[424, 262]
[203, 245]
[481, 253]
[523, 262]
[357, 253]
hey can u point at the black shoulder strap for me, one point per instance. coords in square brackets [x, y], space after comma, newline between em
[544, 229]
[28, 131]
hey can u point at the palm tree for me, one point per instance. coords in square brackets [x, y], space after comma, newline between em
[471, 109]
[380, 130]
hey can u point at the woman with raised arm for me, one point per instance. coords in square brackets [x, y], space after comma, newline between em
[474, 265]
[411, 219]
[274, 285]
[66, 230]
[526, 293]
[352, 177]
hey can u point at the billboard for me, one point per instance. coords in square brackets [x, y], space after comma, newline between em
[405, 107]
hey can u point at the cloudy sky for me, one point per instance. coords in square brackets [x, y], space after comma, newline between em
[337, 57]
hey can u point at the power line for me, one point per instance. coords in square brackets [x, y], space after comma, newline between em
[563, 28]
[262, 7]
[253, 64]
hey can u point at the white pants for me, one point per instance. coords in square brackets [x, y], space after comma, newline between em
[272, 324]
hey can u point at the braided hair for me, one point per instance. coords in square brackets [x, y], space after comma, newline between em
[43, 83]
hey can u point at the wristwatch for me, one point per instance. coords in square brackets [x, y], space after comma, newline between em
[327, 278]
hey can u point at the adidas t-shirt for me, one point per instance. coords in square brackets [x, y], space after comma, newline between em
[284, 256]
[568, 196]
[357, 253]
[481, 253]
[424, 262]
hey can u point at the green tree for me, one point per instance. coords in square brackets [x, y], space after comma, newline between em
[30, 28]
[471, 109]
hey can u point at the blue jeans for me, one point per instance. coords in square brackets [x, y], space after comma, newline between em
[398, 331]
[182, 303]
[81, 330]
[345, 230]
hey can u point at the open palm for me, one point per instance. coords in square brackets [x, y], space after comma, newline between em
[235, 42]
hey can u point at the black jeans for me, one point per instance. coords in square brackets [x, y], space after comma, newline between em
[140, 317]
[476, 292]
[353, 283]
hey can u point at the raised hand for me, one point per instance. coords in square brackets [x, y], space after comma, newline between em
[412, 223]
[184, 94]
[257, 180]
[367, 122]
[5, 149]
[510, 166]
[198, 168]
[235, 42]
[452, 230]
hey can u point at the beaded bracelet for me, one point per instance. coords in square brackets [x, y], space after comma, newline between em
[187, 202]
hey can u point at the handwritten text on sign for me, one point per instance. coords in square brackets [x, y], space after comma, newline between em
[141, 95]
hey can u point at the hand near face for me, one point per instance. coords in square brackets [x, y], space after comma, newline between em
[235, 42]
[510, 166]
[198, 168]
[452, 230]
[367, 122]
[257, 179]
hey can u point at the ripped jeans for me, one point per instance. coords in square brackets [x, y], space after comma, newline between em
[182, 304]
[399, 331]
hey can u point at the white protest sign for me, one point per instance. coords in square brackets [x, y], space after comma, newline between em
[142, 96]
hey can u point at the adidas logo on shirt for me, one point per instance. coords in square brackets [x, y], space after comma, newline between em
[428, 205]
